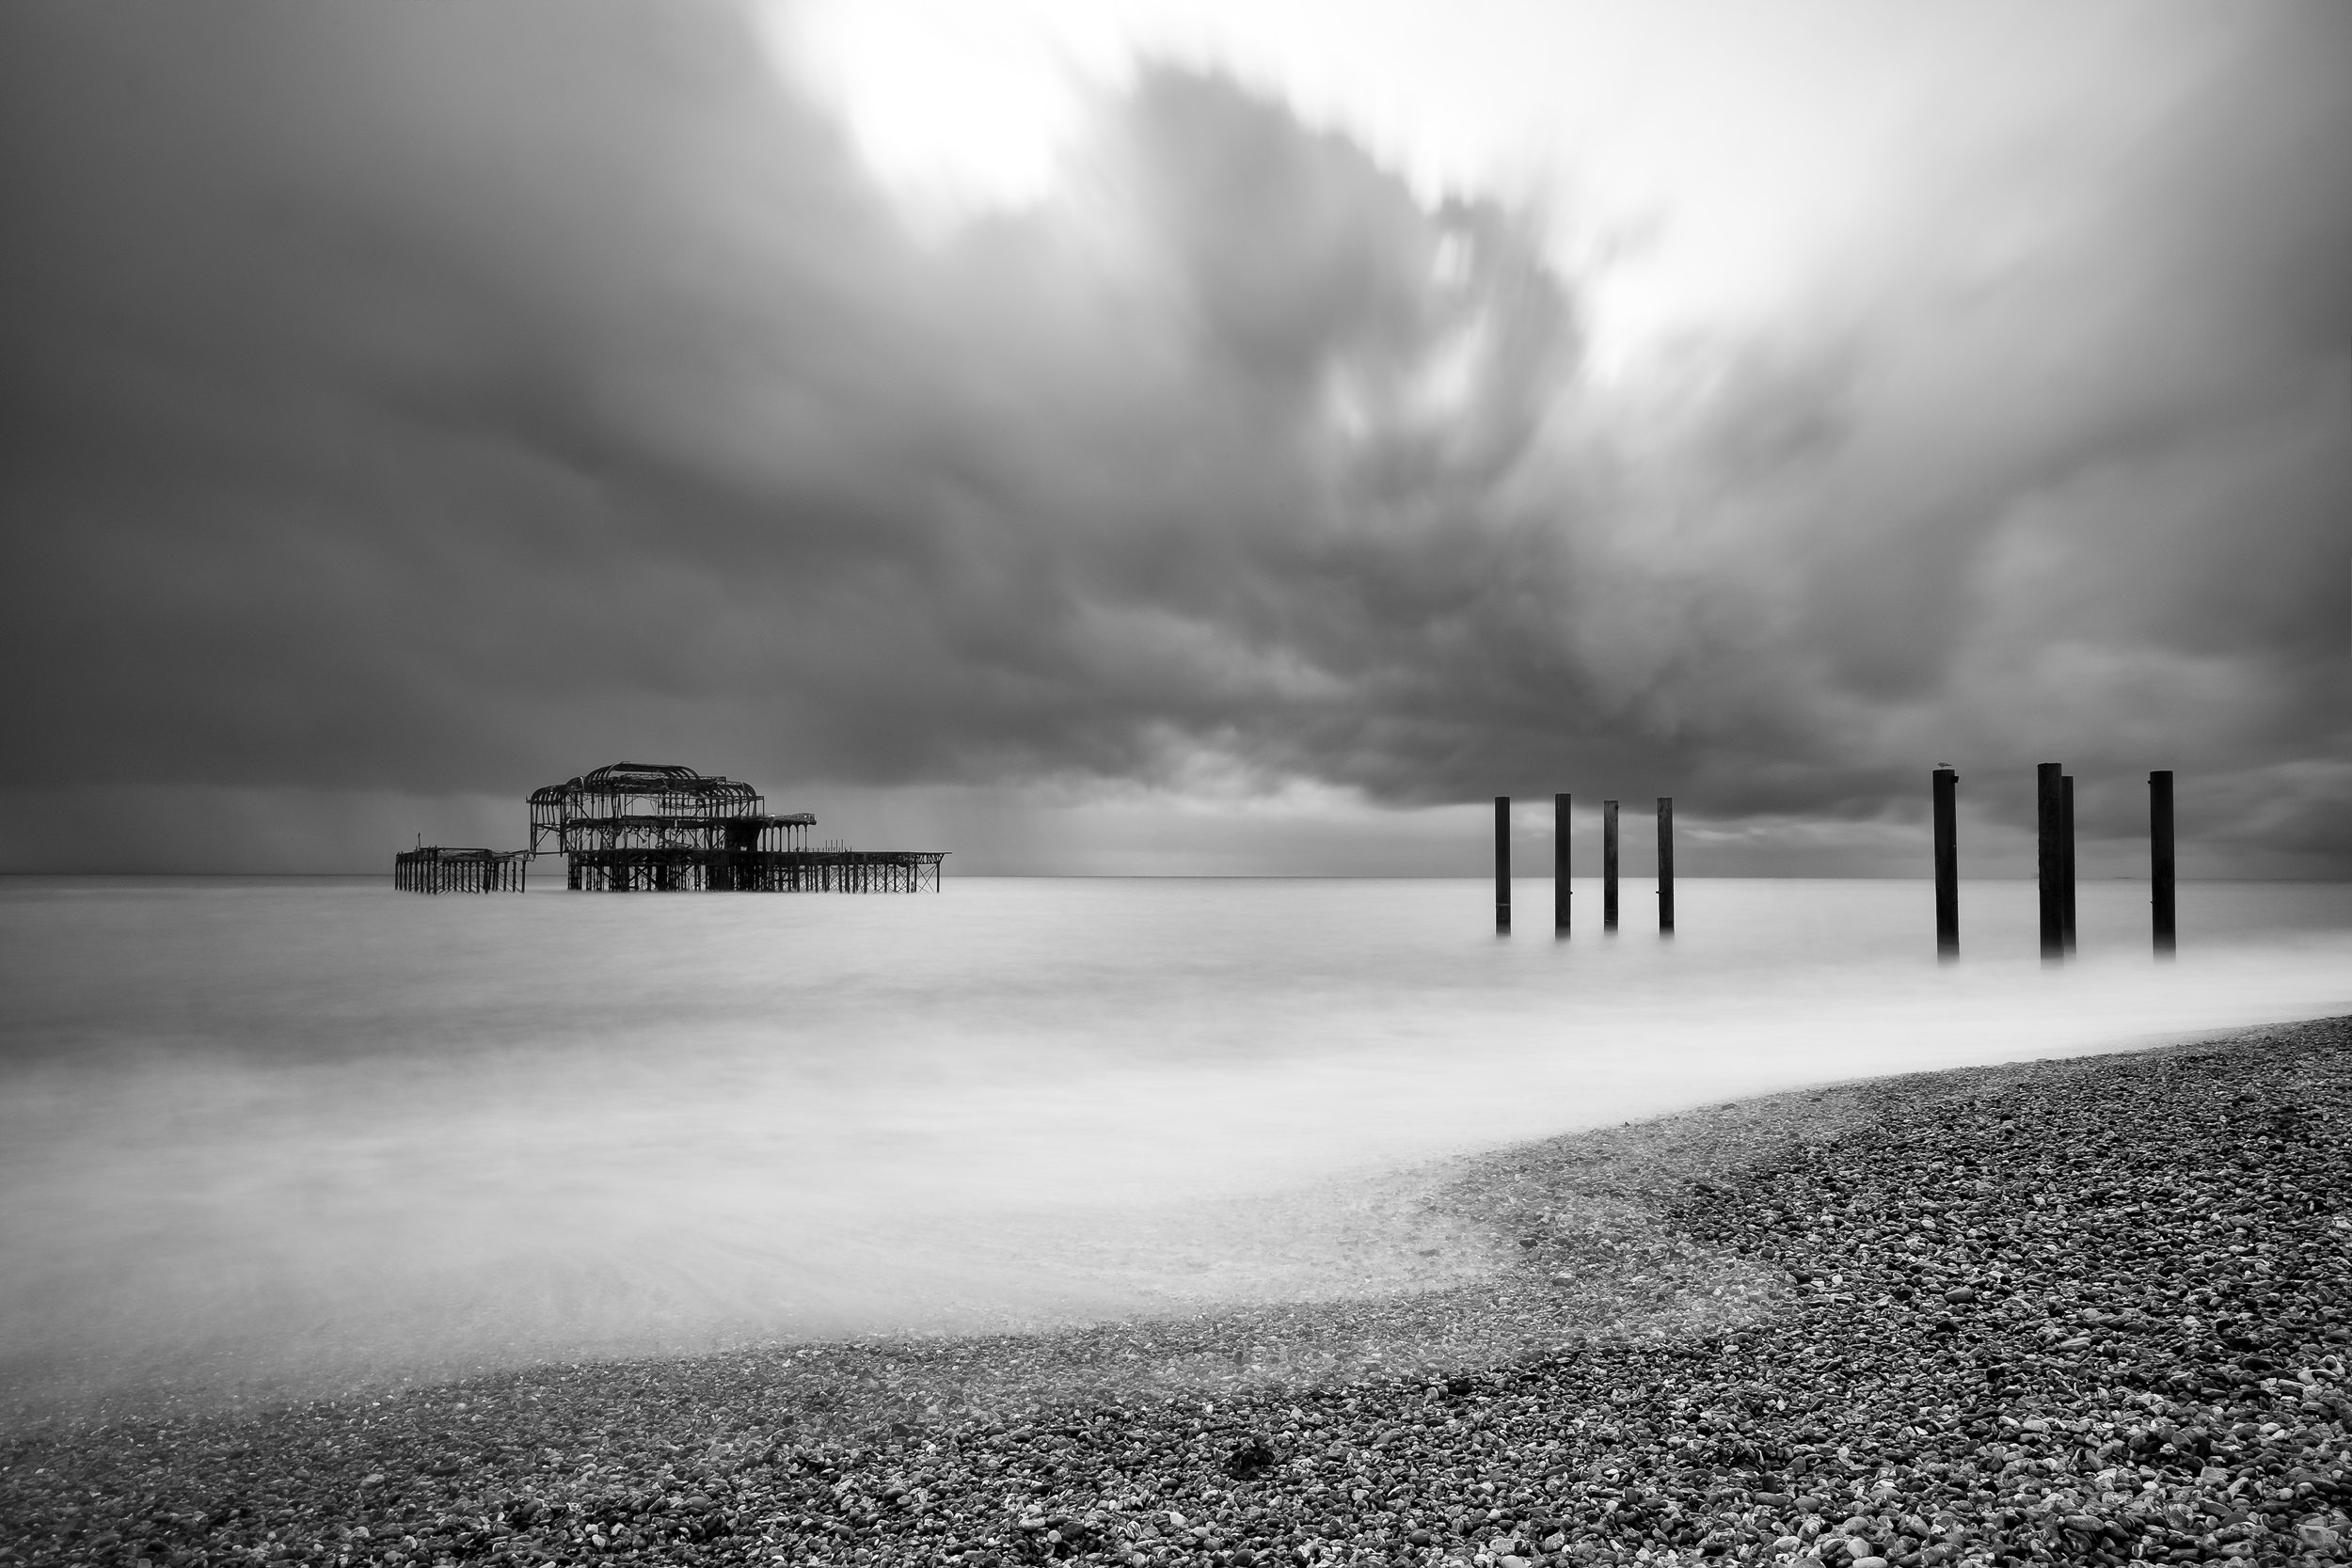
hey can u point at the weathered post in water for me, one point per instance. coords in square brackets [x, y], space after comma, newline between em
[1946, 791]
[1609, 866]
[2160, 861]
[1559, 863]
[1502, 862]
[2050, 857]
[2066, 837]
[1665, 866]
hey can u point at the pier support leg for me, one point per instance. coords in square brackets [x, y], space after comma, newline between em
[2160, 861]
[1946, 791]
[2066, 837]
[1502, 862]
[1559, 863]
[2050, 857]
[1609, 866]
[1665, 866]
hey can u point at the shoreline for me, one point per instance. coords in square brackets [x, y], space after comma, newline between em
[1949, 1317]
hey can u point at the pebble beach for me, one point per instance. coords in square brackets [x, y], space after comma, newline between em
[2090, 1310]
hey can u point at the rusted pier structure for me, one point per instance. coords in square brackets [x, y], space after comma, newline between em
[755, 871]
[660, 828]
[432, 868]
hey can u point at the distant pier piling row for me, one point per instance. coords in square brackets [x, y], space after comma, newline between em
[754, 871]
[2054, 861]
[433, 868]
[1563, 895]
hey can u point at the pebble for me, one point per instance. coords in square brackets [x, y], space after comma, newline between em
[2086, 1311]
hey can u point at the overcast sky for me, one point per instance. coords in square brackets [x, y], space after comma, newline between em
[1176, 437]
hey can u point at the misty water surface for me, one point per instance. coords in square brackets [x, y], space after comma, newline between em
[280, 1136]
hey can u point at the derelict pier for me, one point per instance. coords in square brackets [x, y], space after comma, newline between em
[636, 827]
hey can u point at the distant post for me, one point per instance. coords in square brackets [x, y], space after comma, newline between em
[1665, 866]
[1609, 866]
[2050, 859]
[1946, 791]
[2160, 861]
[1559, 863]
[1502, 862]
[2066, 839]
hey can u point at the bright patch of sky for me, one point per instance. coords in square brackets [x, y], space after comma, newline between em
[1700, 166]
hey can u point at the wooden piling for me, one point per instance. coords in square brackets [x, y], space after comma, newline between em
[1502, 862]
[2050, 859]
[2160, 861]
[1609, 866]
[1665, 866]
[1560, 863]
[2066, 839]
[1947, 788]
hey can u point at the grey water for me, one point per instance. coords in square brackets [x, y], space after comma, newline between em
[273, 1138]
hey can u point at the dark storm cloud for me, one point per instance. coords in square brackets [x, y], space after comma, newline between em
[436, 399]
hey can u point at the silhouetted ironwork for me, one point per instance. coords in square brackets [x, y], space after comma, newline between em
[636, 827]
[659, 806]
[754, 871]
[433, 868]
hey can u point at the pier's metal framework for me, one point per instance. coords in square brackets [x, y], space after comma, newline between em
[658, 808]
[754, 871]
[636, 827]
[660, 828]
[433, 869]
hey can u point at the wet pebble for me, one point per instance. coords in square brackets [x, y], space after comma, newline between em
[2089, 1311]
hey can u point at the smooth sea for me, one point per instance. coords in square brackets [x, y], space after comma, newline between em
[267, 1138]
